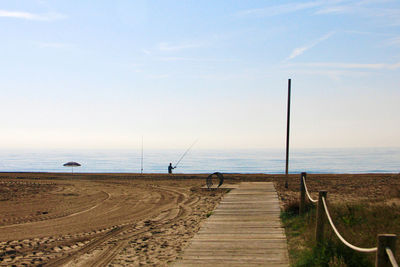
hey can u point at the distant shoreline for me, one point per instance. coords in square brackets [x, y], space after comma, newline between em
[227, 176]
[205, 162]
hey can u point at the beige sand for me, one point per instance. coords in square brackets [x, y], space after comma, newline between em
[121, 219]
[80, 222]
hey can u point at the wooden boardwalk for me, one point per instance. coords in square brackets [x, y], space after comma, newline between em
[244, 230]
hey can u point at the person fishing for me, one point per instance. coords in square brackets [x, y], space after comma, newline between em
[170, 168]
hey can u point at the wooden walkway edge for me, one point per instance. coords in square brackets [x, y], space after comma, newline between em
[244, 230]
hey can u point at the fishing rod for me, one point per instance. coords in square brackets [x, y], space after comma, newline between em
[184, 154]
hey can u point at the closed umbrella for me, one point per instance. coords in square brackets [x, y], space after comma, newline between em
[72, 164]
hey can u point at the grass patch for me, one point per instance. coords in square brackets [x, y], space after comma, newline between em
[332, 253]
[359, 223]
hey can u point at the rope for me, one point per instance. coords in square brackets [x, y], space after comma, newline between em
[340, 237]
[308, 194]
[391, 257]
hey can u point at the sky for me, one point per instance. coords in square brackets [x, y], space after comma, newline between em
[105, 74]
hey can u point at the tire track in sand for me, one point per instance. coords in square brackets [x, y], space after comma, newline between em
[111, 244]
[151, 219]
[61, 217]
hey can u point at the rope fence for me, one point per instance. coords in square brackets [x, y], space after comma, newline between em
[308, 194]
[386, 244]
[341, 237]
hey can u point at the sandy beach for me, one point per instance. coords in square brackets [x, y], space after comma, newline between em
[132, 219]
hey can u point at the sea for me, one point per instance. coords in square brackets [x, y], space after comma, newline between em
[345, 160]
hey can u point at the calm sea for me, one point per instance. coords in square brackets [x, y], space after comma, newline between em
[365, 160]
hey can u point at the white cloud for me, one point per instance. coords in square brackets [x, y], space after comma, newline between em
[54, 45]
[365, 8]
[31, 16]
[169, 47]
[147, 52]
[158, 76]
[394, 41]
[176, 59]
[368, 9]
[385, 34]
[336, 70]
[333, 74]
[279, 9]
[300, 50]
[194, 59]
[338, 65]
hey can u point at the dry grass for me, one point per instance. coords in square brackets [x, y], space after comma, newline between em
[361, 206]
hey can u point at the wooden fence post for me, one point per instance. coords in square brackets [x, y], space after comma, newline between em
[319, 227]
[385, 241]
[302, 207]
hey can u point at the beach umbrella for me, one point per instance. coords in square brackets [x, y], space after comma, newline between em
[72, 164]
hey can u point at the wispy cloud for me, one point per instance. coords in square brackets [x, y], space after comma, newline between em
[300, 50]
[365, 8]
[337, 70]
[394, 41]
[369, 9]
[351, 6]
[384, 34]
[163, 47]
[31, 16]
[348, 66]
[331, 73]
[158, 76]
[54, 45]
[146, 51]
[279, 9]
[335, 9]
[195, 59]
[176, 47]
[176, 59]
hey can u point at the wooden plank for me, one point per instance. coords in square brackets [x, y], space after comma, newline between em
[229, 246]
[232, 230]
[244, 230]
[192, 263]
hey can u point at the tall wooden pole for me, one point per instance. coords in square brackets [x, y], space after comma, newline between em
[287, 134]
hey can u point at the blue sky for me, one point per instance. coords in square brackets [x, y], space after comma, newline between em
[102, 74]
